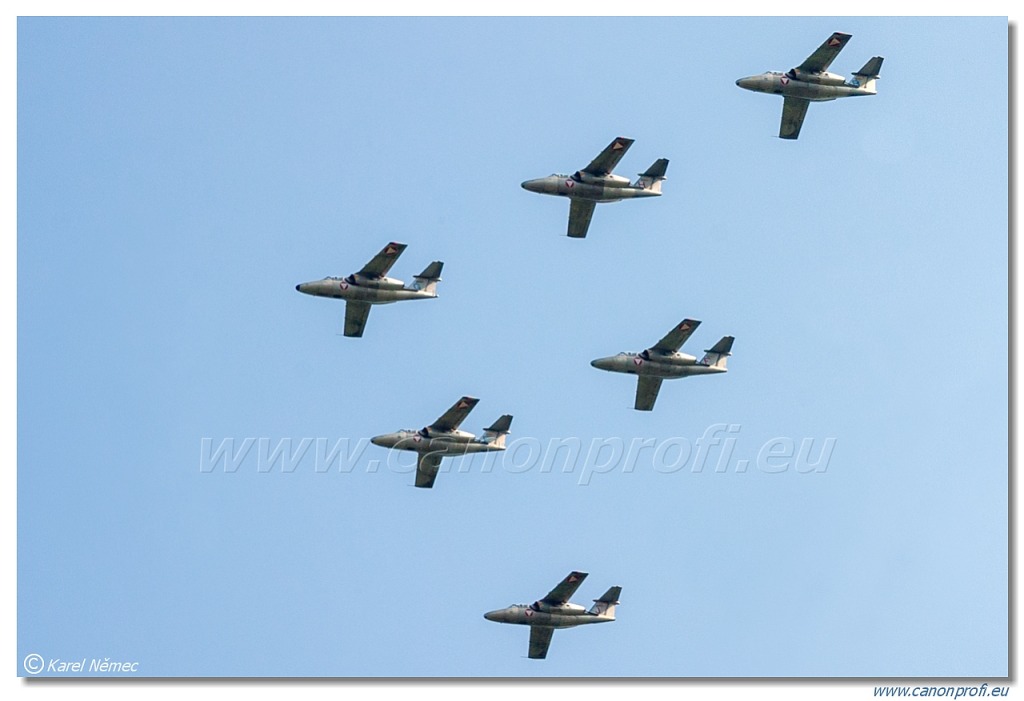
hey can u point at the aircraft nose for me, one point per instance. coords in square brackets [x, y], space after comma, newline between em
[378, 440]
[746, 83]
[491, 616]
[530, 185]
[601, 364]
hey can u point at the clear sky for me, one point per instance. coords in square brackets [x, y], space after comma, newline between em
[178, 177]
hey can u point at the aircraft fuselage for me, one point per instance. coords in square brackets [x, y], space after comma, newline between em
[449, 443]
[648, 363]
[356, 288]
[610, 188]
[817, 88]
[554, 617]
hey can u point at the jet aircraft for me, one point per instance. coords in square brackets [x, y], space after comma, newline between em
[443, 438]
[811, 82]
[596, 183]
[555, 611]
[664, 361]
[372, 286]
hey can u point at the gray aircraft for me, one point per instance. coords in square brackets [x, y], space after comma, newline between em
[443, 438]
[664, 361]
[596, 183]
[811, 82]
[555, 611]
[372, 286]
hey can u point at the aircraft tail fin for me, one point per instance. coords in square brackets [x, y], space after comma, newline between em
[652, 178]
[605, 606]
[717, 355]
[428, 279]
[496, 432]
[867, 75]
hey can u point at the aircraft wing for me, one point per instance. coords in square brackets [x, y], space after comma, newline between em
[646, 392]
[427, 465]
[793, 111]
[355, 317]
[565, 589]
[453, 418]
[825, 54]
[580, 212]
[382, 262]
[540, 639]
[675, 338]
[609, 158]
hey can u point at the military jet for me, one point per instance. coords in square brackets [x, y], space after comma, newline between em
[555, 611]
[664, 361]
[811, 82]
[372, 286]
[443, 438]
[596, 183]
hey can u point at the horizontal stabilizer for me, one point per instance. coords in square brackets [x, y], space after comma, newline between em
[432, 271]
[723, 347]
[657, 169]
[717, 355]
[502, 425]
[611, 596]
[605, 606]
[871, 69]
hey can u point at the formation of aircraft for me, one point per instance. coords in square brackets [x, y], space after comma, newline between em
[811, 82]
[555, 611]
[664, 361]
[371, 285]
[808, 82]
[596, 183]
[443, 437]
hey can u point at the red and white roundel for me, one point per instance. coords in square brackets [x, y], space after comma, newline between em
[417, 438]
[343, 285]
[784, 80]
[638, 361]
[529, 612]
[570, 184]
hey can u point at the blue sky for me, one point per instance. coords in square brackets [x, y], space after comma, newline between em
[178, 177]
